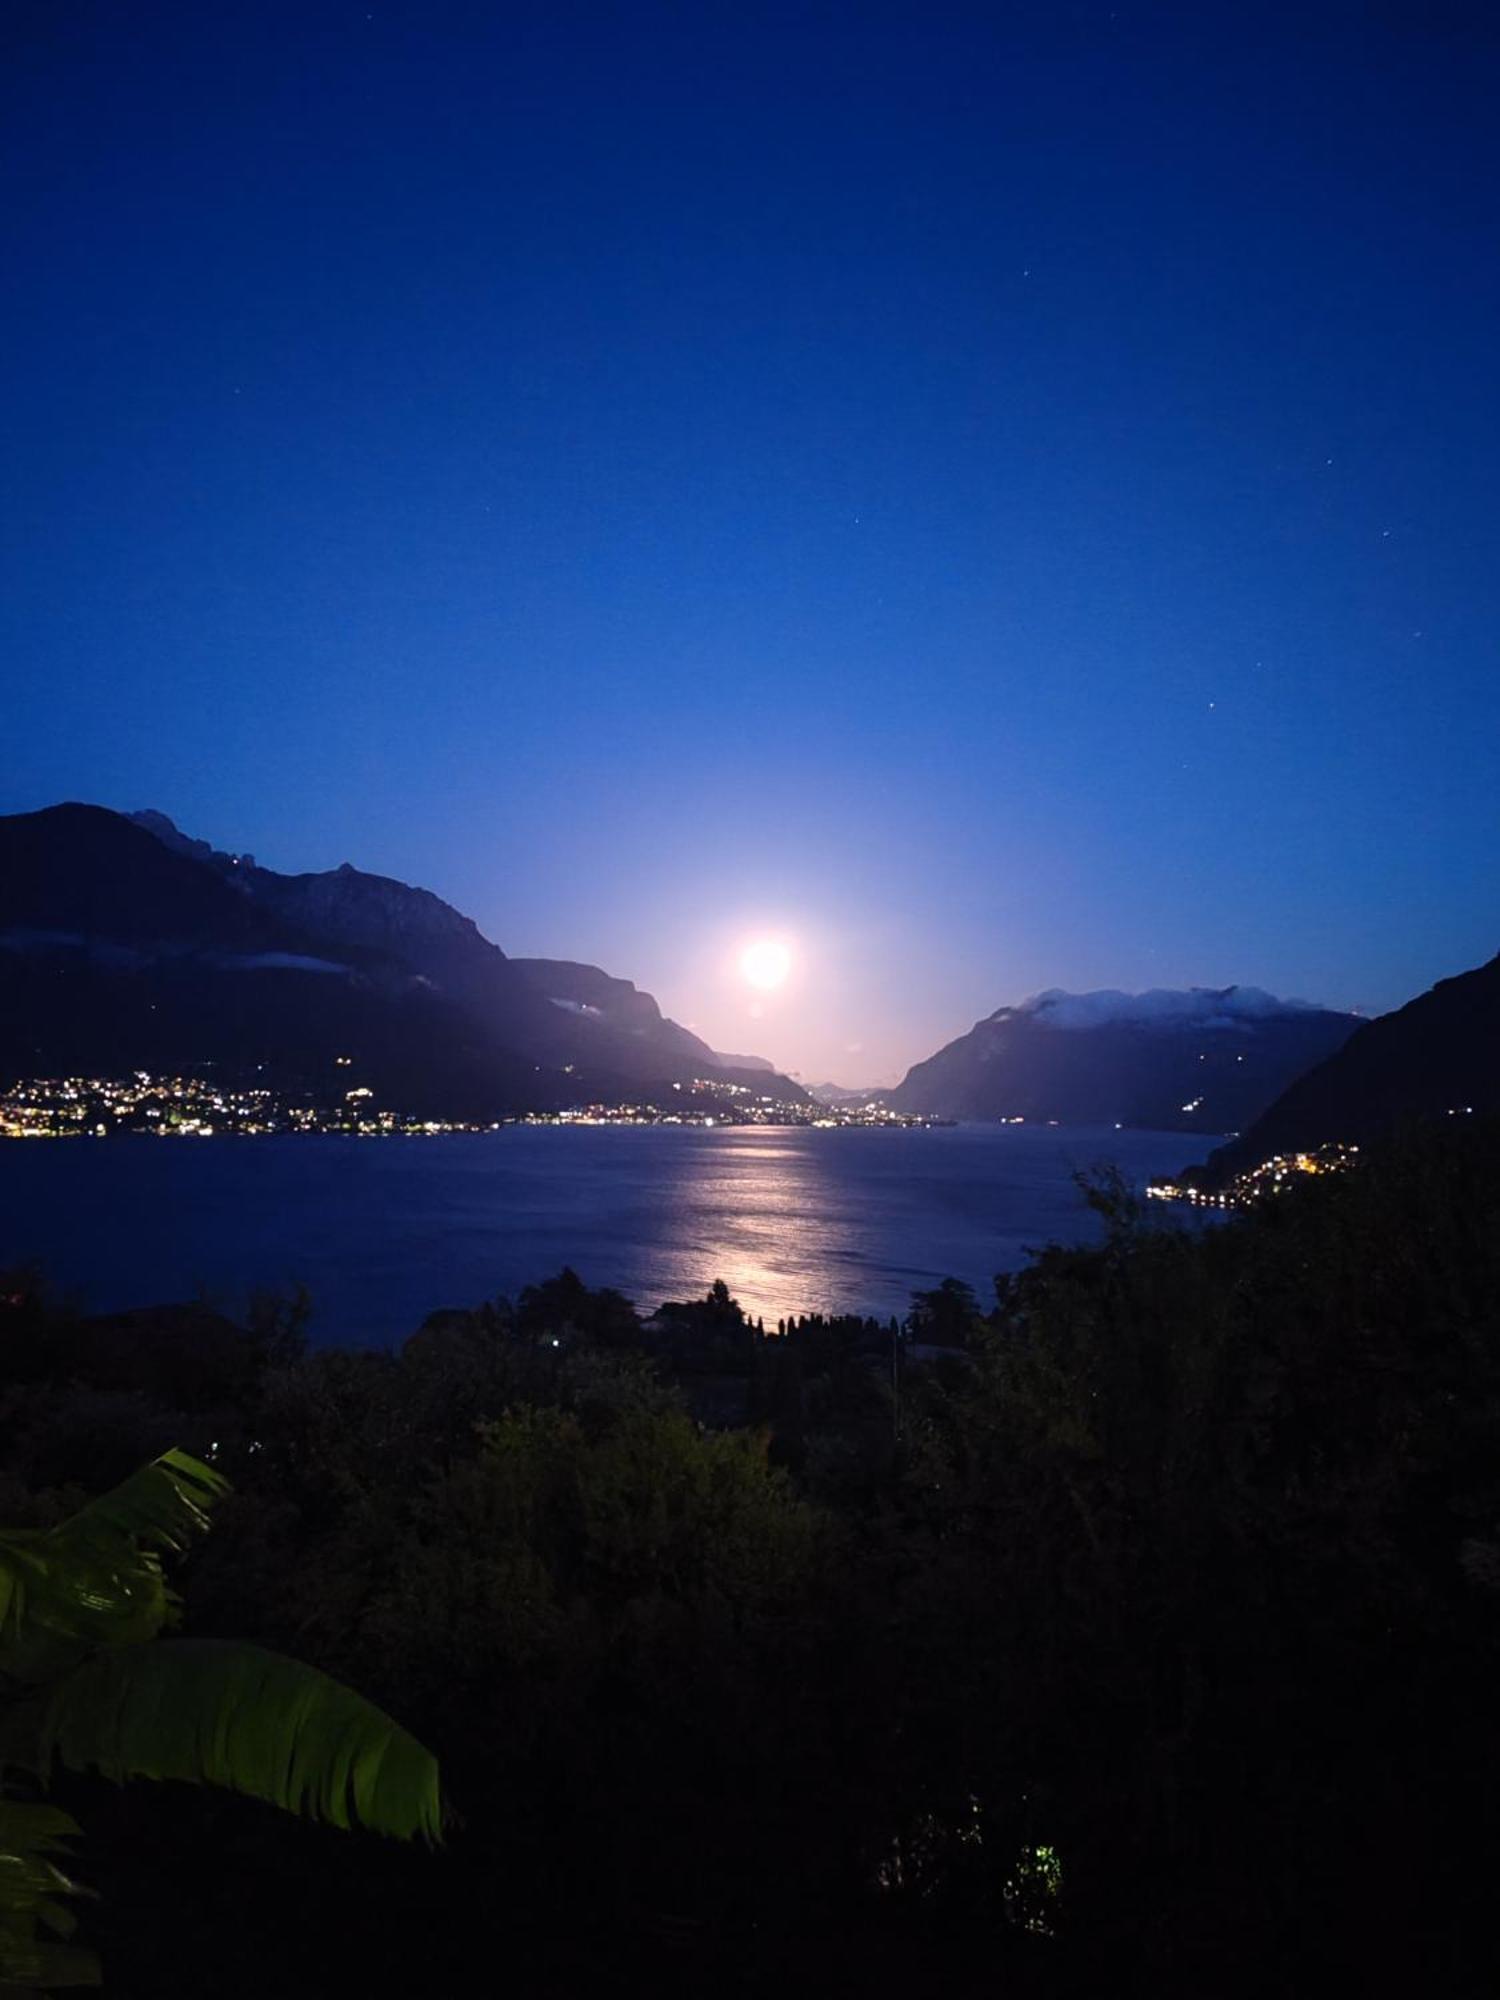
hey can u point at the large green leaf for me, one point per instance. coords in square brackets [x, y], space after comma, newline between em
[96, 1578]
[210, 1712]
[34, 1924]
[164, 1505]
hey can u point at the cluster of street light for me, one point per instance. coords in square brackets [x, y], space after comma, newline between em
[1272, 1176]
[183, 1107]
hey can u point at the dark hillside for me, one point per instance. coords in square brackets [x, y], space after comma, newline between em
[1436, 1057]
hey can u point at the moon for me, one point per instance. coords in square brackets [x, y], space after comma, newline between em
[765, 963]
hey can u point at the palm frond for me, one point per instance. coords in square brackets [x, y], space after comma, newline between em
[163, 1506]
[34, 1924]
[211, 1712]
[96, 1578]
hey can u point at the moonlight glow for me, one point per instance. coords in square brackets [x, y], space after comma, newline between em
[766, 963]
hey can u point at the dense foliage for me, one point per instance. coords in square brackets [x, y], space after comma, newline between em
[1136, 1633]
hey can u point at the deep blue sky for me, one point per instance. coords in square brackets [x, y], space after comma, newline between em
[1004, 495]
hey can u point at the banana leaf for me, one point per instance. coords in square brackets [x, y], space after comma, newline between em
[34, 1925]
[96, 1579]
[214, 1712]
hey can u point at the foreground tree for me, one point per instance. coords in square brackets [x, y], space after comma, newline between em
[86, 1681]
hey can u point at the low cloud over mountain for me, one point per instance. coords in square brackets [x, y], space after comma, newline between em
[1166, 1007]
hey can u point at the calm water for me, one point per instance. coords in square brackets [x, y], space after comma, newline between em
[382, 1231]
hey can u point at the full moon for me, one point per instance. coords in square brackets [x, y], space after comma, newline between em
[765, 963]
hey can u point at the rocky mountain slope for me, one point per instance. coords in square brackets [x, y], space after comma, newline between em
[1205, 1060]
[123, 944]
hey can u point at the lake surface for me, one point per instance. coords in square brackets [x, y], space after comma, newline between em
[381, 1231]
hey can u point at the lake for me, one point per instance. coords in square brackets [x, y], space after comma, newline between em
[381, 1231]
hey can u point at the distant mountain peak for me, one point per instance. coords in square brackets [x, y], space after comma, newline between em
[1201, 1058]
[375, 911]
[837, 1094]
[170, 834]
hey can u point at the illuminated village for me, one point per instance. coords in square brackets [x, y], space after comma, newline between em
[1272, 1176]
[178, 1107]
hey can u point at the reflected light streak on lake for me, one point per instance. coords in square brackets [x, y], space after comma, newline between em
[382, 1231]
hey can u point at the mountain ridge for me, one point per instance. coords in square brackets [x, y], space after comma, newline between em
[383, 913]
[1203, 1059]
[122, 938]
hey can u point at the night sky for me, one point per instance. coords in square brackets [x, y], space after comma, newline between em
[1005, 497]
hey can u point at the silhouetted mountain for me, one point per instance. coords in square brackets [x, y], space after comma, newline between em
[598, 1005]
[79, 874]
[118, 952]
[1207, 1060]
[125, 945]
[596, 1002]
[1439, 1054]
[837, 1094]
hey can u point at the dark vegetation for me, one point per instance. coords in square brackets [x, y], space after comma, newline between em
[1142, 1638]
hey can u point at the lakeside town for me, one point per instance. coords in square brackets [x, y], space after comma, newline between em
[196, 1107]
[1272, 1176]
[183, 1107]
